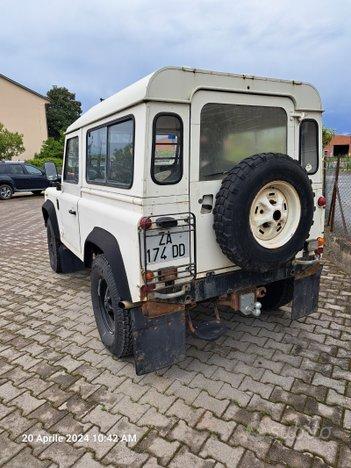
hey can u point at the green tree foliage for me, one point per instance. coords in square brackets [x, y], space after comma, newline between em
[11, 143]
[51, 150]
[62, 110]
[327, 135]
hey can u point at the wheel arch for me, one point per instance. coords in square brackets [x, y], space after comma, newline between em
[8, 181]
[100, 241]
[49, 211]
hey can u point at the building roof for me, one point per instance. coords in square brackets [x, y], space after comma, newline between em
[178, 84]
[23, 87]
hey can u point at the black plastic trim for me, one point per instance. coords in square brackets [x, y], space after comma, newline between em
[49, 211]
[107, 244]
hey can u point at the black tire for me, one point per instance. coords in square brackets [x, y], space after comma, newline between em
[53, 248]
[114, 324]
[233, 202]
[6, 191]
[278, 294]
[37, 192]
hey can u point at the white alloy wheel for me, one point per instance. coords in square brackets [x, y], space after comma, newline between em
[275, 214]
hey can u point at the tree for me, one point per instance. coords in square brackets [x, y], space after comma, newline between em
[62, 110]
[11, 143]
[327, 135]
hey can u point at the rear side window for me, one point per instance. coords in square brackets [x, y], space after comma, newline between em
[167, 149]
[120, 153]
[110, 154]
[71, 169]
[15, 169]
[96, 155]
[309, 145]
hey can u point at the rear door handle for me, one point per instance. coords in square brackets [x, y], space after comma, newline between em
[72, 212]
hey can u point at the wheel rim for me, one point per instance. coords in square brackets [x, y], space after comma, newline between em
[106, 308]
[5, 191]
[275, 214]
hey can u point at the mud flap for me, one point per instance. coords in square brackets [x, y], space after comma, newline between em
[158, 341]
[306, 292]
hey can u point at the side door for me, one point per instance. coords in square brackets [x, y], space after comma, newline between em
[226, 128]
[18, 175]
[36, 179]
[70, 196]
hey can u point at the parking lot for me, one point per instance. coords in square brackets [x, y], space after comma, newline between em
[270, 391]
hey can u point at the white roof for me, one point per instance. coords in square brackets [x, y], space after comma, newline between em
[178, 84]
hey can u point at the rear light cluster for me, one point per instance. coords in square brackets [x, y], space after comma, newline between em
[320, 245]
[165, 275]
[145, 223]
[322, 201]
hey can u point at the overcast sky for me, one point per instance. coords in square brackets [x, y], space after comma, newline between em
[96, 47]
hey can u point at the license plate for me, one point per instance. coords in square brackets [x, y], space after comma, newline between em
[167, 246]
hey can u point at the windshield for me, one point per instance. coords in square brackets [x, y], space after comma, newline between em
[231, 132]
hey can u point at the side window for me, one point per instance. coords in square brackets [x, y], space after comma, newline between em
[120, 153]
[167, 149]
[96, 155]
[15, 169]
[71, 169]
[309, 145]
[32, 170]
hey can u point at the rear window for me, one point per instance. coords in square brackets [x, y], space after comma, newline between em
[309, 145]
[232, 132]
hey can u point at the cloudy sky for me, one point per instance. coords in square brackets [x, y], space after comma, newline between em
[96, 47]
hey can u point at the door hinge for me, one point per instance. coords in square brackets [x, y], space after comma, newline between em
[297, 115]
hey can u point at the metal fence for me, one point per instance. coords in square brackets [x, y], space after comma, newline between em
[337, 190]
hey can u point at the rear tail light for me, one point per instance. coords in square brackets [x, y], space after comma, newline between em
[149, 276]
[320, 243]
[322, 201]
[145, 223]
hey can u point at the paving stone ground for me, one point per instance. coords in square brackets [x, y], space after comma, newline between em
[270, 392]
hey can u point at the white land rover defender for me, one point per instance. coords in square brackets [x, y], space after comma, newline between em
[191, 186]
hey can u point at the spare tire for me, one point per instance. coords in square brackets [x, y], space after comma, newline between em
[264, 211]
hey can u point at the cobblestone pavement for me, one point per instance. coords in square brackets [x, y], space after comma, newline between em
[271, 391]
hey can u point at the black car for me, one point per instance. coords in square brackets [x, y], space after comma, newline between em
[21, 177]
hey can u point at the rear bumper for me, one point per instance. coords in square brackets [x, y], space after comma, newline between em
[218, 285]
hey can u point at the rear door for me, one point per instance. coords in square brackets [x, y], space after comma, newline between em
[70, 196]
[226, 128]
[36, 179]
[18, 175]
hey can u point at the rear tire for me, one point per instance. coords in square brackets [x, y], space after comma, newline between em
[37, 192]
[53, 248]
[114, 324]
[278, 294]
[6, 192]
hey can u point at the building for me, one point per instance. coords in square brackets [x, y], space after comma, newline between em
[340, 145]
[23, 110]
